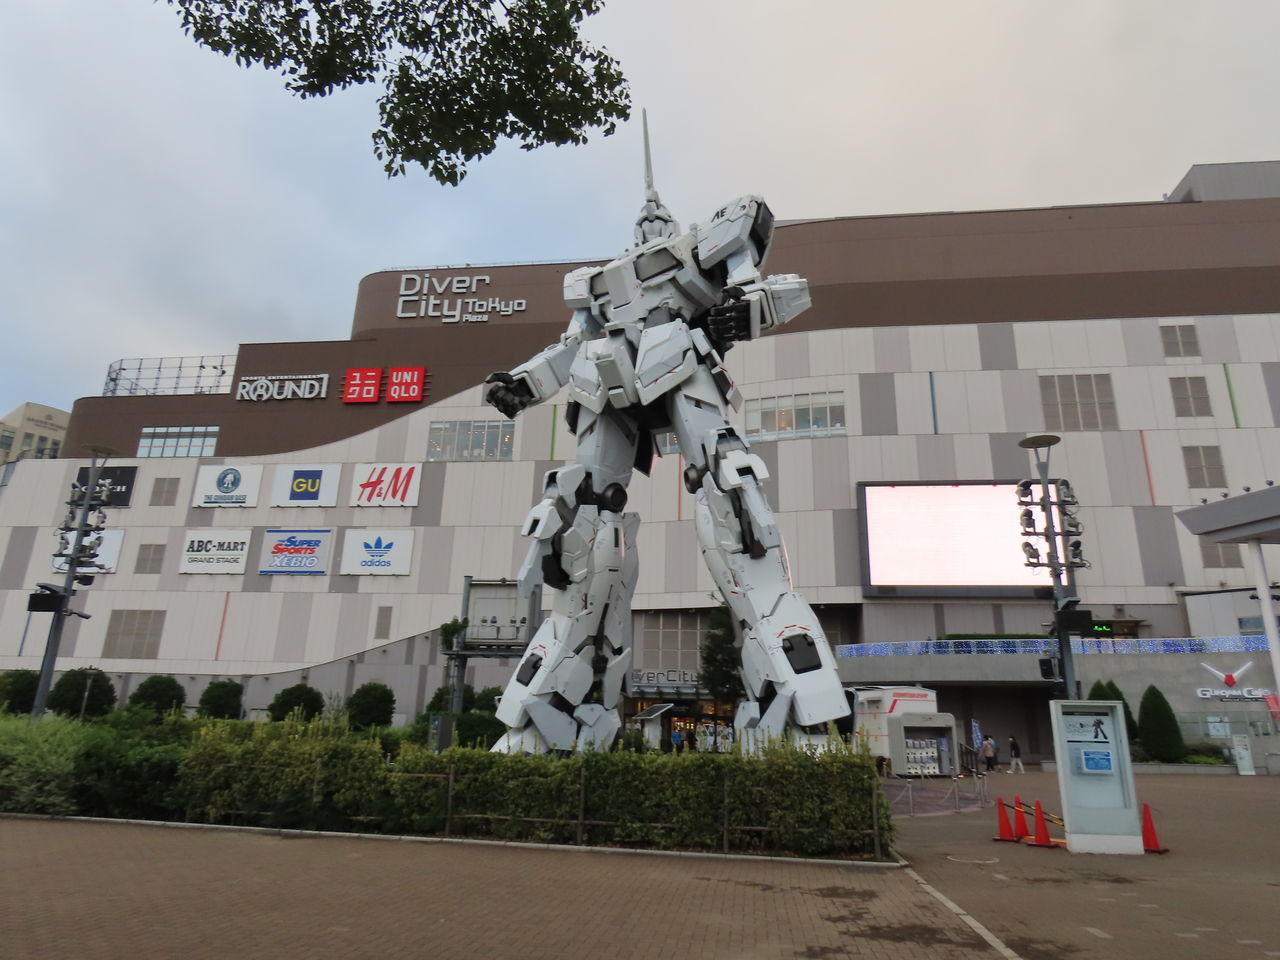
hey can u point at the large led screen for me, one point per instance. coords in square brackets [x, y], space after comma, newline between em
[965, 538]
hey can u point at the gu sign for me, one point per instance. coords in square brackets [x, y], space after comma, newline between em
[305, 486]
[292, 386]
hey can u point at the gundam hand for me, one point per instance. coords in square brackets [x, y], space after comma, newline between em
[507, 394]
[731, 320]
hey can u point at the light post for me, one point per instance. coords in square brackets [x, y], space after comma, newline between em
[1064, 594]
[83, 499]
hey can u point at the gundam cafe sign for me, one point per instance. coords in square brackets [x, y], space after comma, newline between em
[451, 299]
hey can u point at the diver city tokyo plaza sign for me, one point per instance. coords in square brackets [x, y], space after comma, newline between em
[451, 299]
[300, 552]
[377, 552]
[220, 486]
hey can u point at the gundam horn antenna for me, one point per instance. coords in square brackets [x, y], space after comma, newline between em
[655, 219]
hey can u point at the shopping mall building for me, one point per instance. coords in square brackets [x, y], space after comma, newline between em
[310, 510]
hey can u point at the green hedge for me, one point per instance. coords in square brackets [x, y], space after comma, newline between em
[317, 775]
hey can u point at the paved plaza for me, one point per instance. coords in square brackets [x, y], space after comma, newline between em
[102, 891]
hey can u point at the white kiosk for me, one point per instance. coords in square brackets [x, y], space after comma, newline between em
[1099, 804]
[903, 724]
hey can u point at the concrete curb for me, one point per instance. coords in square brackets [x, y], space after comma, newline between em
[897, 863]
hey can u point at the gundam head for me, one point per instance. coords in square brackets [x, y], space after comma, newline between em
[655, 219]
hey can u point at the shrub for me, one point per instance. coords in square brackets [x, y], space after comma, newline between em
[18, 690]
[1158, 728]
[1099, 691]
[159, 693]
[37, 764]
[221, 699]
[442, 699]
[301, 697]
[85, 688]
[479, 730]
[371, 705]
[1130, 724]
[487, 700]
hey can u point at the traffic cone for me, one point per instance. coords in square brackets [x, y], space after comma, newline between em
[1150, 842]
[1006, 832]
[1019, 819]
[1041, 839]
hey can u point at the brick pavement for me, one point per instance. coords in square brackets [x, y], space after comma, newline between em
[100, 891]
[1215, 896]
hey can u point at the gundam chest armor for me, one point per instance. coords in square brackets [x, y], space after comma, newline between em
[643, 353]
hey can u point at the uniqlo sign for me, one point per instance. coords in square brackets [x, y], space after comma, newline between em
[405, 384]
[362, 385]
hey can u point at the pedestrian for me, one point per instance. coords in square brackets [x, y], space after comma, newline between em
[675, 740]
[1015, 756]
[989, 753]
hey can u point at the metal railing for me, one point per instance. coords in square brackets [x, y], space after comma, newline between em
[1047, 646]
[211, 373]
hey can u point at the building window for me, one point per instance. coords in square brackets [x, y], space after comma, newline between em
[177, 442]
[133, 635]
[1180, 340]
[164, 492]
[6, 441]
[1204, 467]
[150, 558]
[672, 639]
[471, 440]
[382, 625]
[1190, 397]
[28, 440]
[800, 415]
[42, 447]
[1223, 555]
[1078, 402]
[55, 447]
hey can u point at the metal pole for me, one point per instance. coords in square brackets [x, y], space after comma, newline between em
[68, 588]
[1060, 596]
[1268, 609]
[460, 663]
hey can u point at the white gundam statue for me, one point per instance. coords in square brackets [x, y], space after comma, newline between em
[643, 354]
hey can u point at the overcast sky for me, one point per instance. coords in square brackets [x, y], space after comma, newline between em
[158, 200]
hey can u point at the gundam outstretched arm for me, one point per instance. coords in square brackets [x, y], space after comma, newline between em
[539, 378]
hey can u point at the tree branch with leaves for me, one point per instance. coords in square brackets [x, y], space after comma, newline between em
[457, 75]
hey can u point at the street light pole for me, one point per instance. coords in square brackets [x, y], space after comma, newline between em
[47, 665]
[1064, 594]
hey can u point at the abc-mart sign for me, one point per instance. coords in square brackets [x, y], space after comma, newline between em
[377, 553]
[289, 386]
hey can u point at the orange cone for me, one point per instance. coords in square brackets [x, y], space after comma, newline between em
[1006, 832]
[1019, 819]
[1150, 842]
[1041, 839]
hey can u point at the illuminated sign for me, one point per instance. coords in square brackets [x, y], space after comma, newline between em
[385, 485]
[227, 486]
[377, 552]
[309, 485]
[214, 551]
[291, 386]
[303, 552]
[451, 299]
[404, 385]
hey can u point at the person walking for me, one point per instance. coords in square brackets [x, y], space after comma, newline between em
[989, 753]
[1015, 756]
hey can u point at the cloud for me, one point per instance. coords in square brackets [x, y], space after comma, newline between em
[162, 201]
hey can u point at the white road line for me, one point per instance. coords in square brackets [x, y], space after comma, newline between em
[1107, 899]
[1100, 934]
[1250, 943]
[996, 943]
[1000, 876]
[1188, 936]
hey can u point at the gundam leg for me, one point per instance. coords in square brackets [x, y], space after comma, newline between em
[787, 666]
[566, 692]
